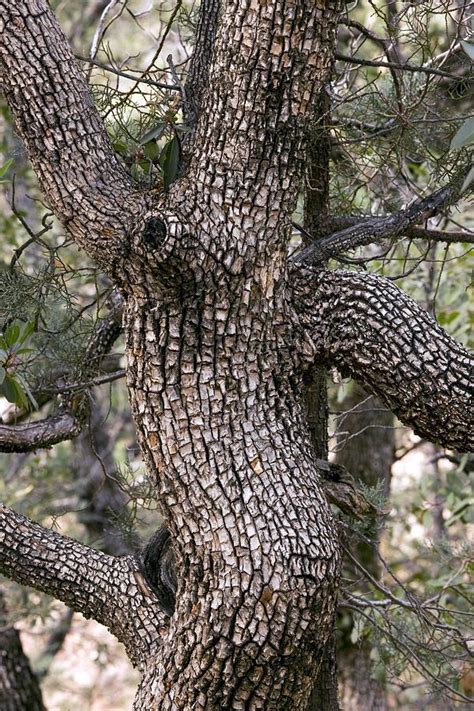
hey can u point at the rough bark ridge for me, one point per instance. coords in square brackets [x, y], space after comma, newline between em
[217, 342]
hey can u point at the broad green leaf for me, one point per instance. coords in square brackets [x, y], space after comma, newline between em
[153, 134]
[464, 136]
[120, 147]
[3, 373]
[468, 47]
[169, 161]
[468, 180]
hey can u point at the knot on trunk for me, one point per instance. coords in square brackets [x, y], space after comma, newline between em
[154, 233]
[157, 563]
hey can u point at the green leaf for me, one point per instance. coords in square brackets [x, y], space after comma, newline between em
[468, 180]
[5, 167]
[120, 147]
[12, 333]
[169, 161]
[26, 331]
[13, 392]
[151, 151]
[468, 47]
[29, 395]
[464, 136]
[3, 373]
[153, 134]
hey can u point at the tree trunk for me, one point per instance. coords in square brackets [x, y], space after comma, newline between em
[221, 329]
[324, 696]
[19, 688]
[367, 451]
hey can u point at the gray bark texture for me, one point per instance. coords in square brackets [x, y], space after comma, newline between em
[220, 333]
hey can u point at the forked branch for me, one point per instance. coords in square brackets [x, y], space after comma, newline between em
[364, 325]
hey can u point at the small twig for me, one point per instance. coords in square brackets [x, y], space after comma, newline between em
[394, 65]
[100, 380]
[126, 75]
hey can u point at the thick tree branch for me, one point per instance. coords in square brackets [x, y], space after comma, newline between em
[109, 589]
[86, 185]
[26, 437]
[377, 228]
[367, 327]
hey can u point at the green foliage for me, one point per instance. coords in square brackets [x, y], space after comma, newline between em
[12, 347]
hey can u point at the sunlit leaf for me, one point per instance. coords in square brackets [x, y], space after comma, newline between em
[464, 136]
[468, 47]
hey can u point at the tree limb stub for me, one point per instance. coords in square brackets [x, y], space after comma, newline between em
[109, 589]
[376, 228]
[87, 186]
[364, 325]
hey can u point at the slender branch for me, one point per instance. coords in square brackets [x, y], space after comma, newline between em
[334, 223]
[127, 75]
[364, 325]
[109, 589]
[106, 332]
[394, 65]
[378, 228]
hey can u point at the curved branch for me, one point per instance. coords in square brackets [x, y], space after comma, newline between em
[109, 589]
[86, 185]
[26, 437]
[365, 325]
